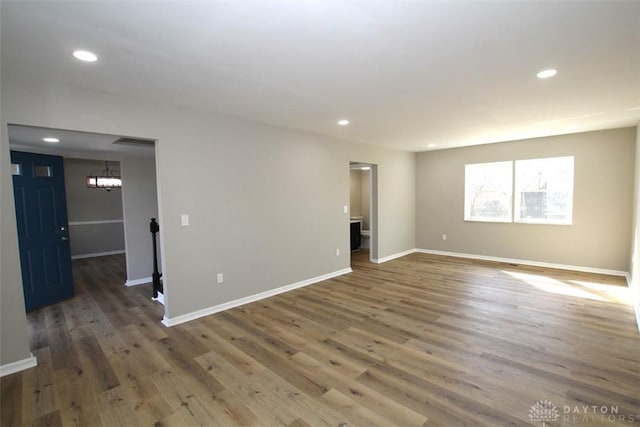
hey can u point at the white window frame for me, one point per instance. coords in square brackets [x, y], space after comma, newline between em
[514, 184]
[518, 187]
[469, 194]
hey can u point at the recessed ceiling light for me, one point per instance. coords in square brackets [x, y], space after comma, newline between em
[545, 74]
[432, 145]
[343, 122]
[50, 139]
[85, 55]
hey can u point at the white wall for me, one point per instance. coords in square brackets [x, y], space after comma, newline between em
[265, 203]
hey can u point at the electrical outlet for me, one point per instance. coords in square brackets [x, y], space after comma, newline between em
[220, 278]
[338, 252]
[444, 237]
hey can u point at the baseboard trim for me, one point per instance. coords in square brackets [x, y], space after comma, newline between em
[160, 298]
[20, 365]
[394, 256]
[173, 321]
[635, 302]
[136, 282]
[97, 254]
[527, 262]
[636, 309]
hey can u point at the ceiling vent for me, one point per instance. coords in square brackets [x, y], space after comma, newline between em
[135, 142]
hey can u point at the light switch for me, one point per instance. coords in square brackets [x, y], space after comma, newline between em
[346, 209]
[184, 219]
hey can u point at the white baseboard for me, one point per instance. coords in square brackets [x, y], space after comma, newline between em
[527, 262]
[636, 302]
[394, 256]
[20, 365]
[172, 321]
[136, 282]
[636, 309]
[160, 298]
[97, 254]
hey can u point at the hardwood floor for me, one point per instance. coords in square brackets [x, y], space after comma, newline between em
[421, 340]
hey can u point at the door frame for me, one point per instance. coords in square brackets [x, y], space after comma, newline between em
[373, 207]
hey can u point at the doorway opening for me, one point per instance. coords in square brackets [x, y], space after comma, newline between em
[363, 228]
[106, 232]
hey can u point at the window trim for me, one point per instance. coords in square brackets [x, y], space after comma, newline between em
[501, 220]
[516, 193]
[514, 214]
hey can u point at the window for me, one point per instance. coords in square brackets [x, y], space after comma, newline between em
[42, 171]
[488, 191]
[542, 194]
[544, 190]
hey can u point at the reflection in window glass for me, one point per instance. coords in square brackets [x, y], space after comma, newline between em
[42, 171]
[16, 169]
[544, 190]
[488, 191]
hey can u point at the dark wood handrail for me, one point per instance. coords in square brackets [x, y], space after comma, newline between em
[157, 284]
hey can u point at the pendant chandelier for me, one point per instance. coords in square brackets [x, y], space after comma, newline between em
[107, 179]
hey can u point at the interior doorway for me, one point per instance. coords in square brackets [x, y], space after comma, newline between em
[363, 208]
[98, 227]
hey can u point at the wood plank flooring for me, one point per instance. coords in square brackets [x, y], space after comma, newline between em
[421, 340]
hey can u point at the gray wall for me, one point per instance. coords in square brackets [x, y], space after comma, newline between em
[365, 202]
[89, 240]
[94, 205]
[355, 192]
[359, 195]
[635, 234]
[14, 340]
[266, 203]
[600, 236]
[140, 200]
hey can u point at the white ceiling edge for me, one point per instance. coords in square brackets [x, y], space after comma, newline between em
[548, 128]
[74, 154]
[406, 74]
[525, 136]
[73, 143]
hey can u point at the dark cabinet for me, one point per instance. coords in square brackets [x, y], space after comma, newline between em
[355, 235]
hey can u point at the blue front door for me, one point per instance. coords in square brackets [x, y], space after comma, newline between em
[41, 216]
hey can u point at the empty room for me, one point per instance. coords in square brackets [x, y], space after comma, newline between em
[319, 213]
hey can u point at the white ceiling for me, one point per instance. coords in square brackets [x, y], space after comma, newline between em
[406, 73]
[73, 144]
